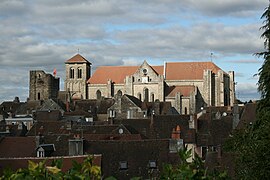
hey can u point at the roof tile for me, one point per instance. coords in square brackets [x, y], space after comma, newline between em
[174, 71]
[77, 59]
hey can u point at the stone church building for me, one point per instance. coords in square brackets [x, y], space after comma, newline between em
[189, 86]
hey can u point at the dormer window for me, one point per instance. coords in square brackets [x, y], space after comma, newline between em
[123, 165]
[152, 164]
[40, 152]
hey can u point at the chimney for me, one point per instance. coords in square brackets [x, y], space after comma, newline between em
[164, 69]
[236, 118]
[219, 151]
[176, 133]
[173, 134]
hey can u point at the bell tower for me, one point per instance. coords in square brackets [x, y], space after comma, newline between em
[78, 71]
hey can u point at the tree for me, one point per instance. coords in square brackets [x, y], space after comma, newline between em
[186, 170]
[85, 170]
[252, 143]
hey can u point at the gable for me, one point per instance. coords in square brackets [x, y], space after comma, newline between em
[146, 70]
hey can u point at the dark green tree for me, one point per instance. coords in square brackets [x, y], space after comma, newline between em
[251, 144]
[189, 170]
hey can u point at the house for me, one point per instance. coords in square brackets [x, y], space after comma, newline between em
[130, 107]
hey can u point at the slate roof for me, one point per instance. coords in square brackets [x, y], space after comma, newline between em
[137, 154]
[10, 106]
[48, 127]
[17, 147]
[95, 106]
[213, 129]
[77, 59]
[163, 126]
[248, 115]
[135, 100]
[174, 71]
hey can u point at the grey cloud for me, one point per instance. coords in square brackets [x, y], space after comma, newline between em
[239, 8]
[247, 91]
[43, 34]
[246, 61]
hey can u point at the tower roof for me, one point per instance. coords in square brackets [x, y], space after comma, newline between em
[77, 59]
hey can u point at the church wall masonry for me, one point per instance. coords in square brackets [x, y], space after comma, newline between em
[189, 86]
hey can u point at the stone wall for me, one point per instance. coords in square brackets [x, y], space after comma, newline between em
[43, 86]
[76, 85]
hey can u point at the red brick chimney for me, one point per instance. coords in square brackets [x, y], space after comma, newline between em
[176, 133]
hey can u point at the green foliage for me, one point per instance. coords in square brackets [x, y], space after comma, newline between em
[251, 145]
[40, 171]
[186, 170]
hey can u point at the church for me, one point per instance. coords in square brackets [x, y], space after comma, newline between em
[189, 86]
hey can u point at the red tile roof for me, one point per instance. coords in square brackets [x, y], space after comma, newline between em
[188, 70]
[184, 90]
[116, 73]
[77, 59]
[174, 71]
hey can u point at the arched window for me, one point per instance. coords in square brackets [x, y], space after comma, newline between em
[140, 96]
[71, 73]
[119, 93]
[98, 93]
[152, 97]
[79, 73]
[146, 95]
[38, 96]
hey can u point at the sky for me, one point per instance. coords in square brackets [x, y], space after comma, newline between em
[43, 34]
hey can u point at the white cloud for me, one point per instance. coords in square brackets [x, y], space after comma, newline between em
[44, 34]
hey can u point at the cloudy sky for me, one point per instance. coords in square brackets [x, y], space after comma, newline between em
[43, 34]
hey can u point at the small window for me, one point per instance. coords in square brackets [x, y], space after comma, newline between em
[152, 164]
[71, 73]
[146, 94]
[119, 93]
[79, 73]
[98, 94]
[123, 165]
[139, 80]
[153, 97]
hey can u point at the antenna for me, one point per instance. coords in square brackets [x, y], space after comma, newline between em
[211, 56]
[78, 50]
